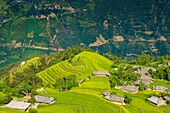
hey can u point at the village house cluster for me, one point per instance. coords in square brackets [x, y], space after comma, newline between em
[145, 79]
[22, 105]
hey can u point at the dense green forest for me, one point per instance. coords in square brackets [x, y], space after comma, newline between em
[127, 28]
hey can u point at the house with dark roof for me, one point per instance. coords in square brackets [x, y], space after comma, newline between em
[43, 99]
[160, 88]
[132, 89]
[100, 73]
[156, 101]
[116, 99]
[21, 105]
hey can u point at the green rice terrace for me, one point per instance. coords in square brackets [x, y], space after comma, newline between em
[82, 65]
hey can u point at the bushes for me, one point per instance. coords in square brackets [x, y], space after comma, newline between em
[66, 83]
[142, 87]
[128, 99]
[32, 111]
[4, 99]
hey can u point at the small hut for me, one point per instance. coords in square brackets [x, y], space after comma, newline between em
[100, 73]
[43, 99]
[18, 105]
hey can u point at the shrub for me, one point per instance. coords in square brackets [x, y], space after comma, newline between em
[32, 100]
[142, 87]
[32, 111]
[113, 93]
[128, 99]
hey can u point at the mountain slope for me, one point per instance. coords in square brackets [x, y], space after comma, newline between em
[82, 65]
[127, 27]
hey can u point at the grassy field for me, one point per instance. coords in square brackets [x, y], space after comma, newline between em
[82, 65]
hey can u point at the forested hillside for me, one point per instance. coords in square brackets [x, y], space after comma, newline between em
[125, 27]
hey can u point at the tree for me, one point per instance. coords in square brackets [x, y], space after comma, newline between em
[142, 87]
[143, 59]
[112, 84]
[24, 88]
[5, 99]
[66, 83]
[128, 99]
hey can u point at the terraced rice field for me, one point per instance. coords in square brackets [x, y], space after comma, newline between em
[82, 65]
[83, 99]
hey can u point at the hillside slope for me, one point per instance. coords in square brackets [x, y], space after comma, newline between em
[123, 27]
[82, 65]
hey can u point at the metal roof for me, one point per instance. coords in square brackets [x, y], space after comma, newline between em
[18, 105]
[160, 88]
[157, 101]
[130, 88]
[43, 99]
[115, 98]
[146, 78]
[99, 72]
[106, 93]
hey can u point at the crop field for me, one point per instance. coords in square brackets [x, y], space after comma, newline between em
[83, 99]
[8, 110]
[82, 65]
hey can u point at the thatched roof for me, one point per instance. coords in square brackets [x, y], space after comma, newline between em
[137, 82]
[115, 98]
[160, 88]
[147, 83]
[130, 88]
[43, 99]
[106, 93]
[99, 72]
[145, 70]
[18, 105]
[157, 101]
[146, 78]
